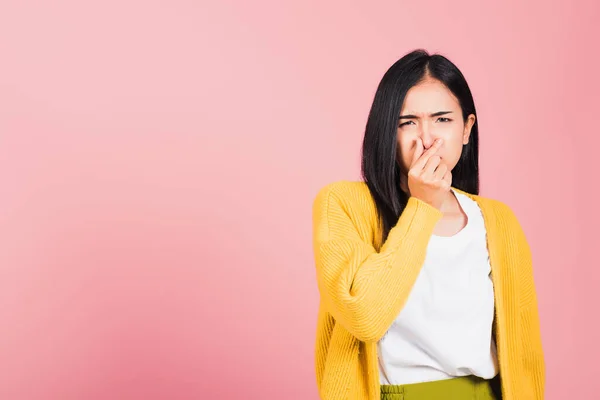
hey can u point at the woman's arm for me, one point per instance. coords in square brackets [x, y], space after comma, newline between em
[364, 290]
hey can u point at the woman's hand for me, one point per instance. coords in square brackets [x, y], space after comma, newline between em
[429, 179]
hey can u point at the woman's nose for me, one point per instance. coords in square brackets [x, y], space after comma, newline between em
[427, 137]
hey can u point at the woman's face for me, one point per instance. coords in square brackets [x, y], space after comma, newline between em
[430, 111]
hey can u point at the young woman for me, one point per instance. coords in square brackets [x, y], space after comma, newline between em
[426, 287]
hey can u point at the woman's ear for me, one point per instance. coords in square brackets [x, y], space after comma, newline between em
[468, 126]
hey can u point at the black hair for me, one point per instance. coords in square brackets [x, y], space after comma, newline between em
[380, 169]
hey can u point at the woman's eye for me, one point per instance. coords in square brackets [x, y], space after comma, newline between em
[406, 123]
[444, 119]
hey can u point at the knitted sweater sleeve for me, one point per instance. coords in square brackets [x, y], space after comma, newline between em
[364, 289]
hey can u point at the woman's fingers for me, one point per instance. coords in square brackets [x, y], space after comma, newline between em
[421, 161]
[430, 167]
[447, 180]
[440, 172]
[418, 152]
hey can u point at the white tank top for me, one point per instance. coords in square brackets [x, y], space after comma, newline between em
[445, 328]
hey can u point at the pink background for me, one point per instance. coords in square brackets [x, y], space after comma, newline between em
[159, 159]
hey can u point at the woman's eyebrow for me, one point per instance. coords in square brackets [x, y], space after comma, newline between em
[435, 114]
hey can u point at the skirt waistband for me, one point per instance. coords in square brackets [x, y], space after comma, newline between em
[463, 388]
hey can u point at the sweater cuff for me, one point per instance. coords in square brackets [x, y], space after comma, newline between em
[416, 223]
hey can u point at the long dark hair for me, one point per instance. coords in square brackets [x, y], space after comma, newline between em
[380, 170]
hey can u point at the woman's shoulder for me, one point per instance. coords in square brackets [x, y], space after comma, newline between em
[345, 188]
[344, 193]
[499, 214]
[491, 205]
[347, 196]
[345, 209]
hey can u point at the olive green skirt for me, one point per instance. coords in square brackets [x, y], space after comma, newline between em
[463, 388]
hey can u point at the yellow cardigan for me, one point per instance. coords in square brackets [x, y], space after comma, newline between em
[363, 285]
